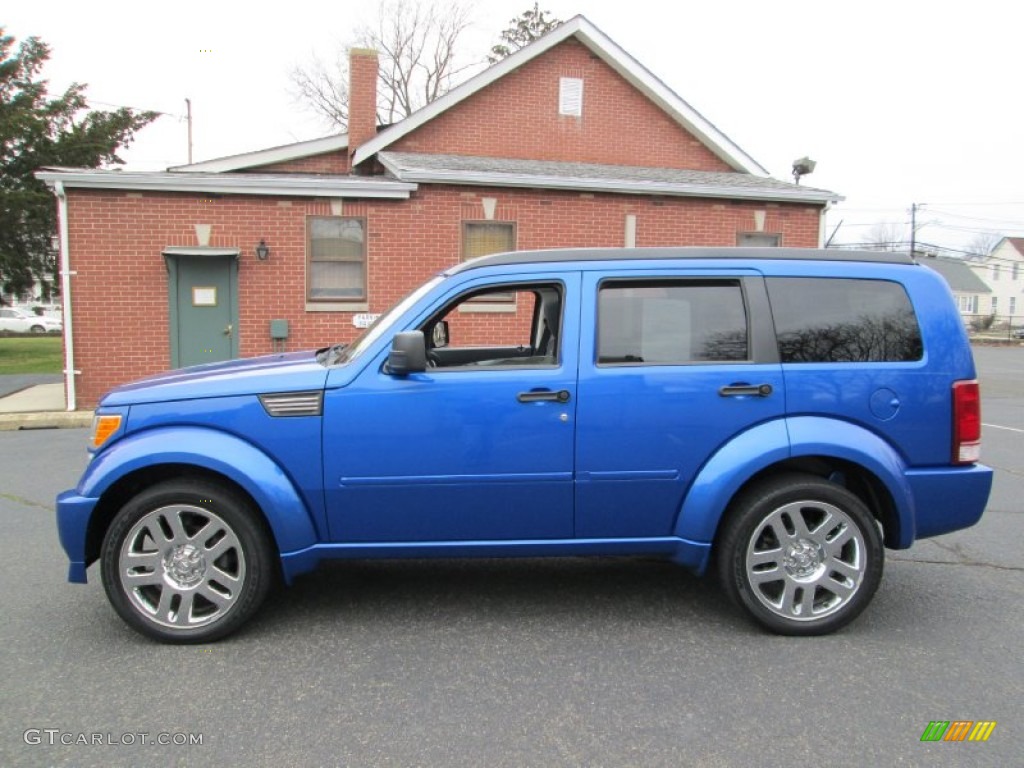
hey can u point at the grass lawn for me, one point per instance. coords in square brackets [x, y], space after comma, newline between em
[30, 354]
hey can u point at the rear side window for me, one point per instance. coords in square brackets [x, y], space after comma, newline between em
[833, 320]
[664, 322]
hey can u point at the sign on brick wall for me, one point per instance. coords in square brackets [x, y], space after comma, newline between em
[364, 320]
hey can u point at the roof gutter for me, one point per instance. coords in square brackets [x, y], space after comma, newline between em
[821, 223]
[236, 184]
[65, 296]
[672, 189]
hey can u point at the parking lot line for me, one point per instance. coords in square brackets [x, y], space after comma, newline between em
[997, 426]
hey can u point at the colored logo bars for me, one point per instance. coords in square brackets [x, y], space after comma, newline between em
[958, 730]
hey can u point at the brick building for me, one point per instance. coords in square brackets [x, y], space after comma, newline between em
[568, 142]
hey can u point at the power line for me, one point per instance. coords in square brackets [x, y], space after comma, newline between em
[840, 208]
[1009, 202]
[973, 230]
[904, 245]
[875, 224]
[974, 218]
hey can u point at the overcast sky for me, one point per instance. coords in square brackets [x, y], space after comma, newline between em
[898, 102]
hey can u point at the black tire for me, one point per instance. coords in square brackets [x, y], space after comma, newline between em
[37, 329]
[801, 555]
[187, 561]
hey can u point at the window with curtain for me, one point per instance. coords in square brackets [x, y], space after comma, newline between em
[336, 258]
[480, 238]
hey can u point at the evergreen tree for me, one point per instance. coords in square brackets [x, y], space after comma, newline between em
[522, 31]
[37, 131]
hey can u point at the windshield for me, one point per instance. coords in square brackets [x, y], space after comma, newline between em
[365, 340]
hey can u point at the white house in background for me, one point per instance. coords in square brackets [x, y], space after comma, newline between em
[970, 292]
[1002, 270]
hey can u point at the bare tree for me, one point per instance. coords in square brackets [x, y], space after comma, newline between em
[323, 88]
[417, 41]
[983, 243]
[886, 236]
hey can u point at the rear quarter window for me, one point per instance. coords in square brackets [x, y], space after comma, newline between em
[842, 320]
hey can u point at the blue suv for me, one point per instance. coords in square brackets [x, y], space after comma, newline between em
[777, 416]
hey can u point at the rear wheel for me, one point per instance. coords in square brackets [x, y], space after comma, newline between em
[37, 329]
[186, 561]
[802, 555]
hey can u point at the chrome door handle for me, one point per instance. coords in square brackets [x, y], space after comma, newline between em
[748, 390]
[229, 329]
[543, 395]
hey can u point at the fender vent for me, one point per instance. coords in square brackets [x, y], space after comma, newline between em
[294, 404]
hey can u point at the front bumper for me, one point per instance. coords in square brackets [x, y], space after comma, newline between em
[73, 515]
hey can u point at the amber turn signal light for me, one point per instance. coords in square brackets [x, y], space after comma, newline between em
[103, 427]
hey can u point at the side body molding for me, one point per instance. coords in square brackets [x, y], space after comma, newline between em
[287, 515]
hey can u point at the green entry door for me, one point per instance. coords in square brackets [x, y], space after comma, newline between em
[204, 309]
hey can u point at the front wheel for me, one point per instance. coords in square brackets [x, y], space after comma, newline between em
[186, 561]
[802, 555]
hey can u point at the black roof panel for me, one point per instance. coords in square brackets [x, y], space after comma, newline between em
[684, 252]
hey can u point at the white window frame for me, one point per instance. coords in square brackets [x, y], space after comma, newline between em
[335, 303]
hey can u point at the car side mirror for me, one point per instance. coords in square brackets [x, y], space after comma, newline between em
[439, 335]
[408, 353]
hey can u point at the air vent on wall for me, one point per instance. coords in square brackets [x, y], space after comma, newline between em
[294, 403]
[570, 96]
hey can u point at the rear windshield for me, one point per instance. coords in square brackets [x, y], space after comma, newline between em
[834, 320]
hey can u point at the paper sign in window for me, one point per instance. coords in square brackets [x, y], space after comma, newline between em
[203, 296]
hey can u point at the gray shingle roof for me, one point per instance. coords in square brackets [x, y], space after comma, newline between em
[960, 277]
[497, 171]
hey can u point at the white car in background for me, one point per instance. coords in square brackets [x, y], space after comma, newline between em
[20, 321]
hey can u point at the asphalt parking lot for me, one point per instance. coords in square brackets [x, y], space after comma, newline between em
[519, 663]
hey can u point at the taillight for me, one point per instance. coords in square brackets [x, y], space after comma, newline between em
[966, 422]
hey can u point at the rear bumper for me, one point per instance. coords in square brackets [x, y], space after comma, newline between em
[947, 499]
[73, 514]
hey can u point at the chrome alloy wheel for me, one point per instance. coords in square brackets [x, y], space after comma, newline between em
[806, 560]
[182, 566]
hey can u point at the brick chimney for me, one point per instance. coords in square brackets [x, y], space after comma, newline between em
[362, 97]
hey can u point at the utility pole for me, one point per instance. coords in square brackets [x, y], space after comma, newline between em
[913, 228]
[188, 113]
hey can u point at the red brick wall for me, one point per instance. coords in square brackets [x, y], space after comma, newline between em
[329, 162]
[363, 69]
[120, 294]
[517, 117]
[493, 329]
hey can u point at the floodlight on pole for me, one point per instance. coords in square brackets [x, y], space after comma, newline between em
[802, 167]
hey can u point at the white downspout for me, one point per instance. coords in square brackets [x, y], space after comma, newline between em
[65, 295]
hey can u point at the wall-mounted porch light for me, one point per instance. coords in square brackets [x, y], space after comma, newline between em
[262, 250]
